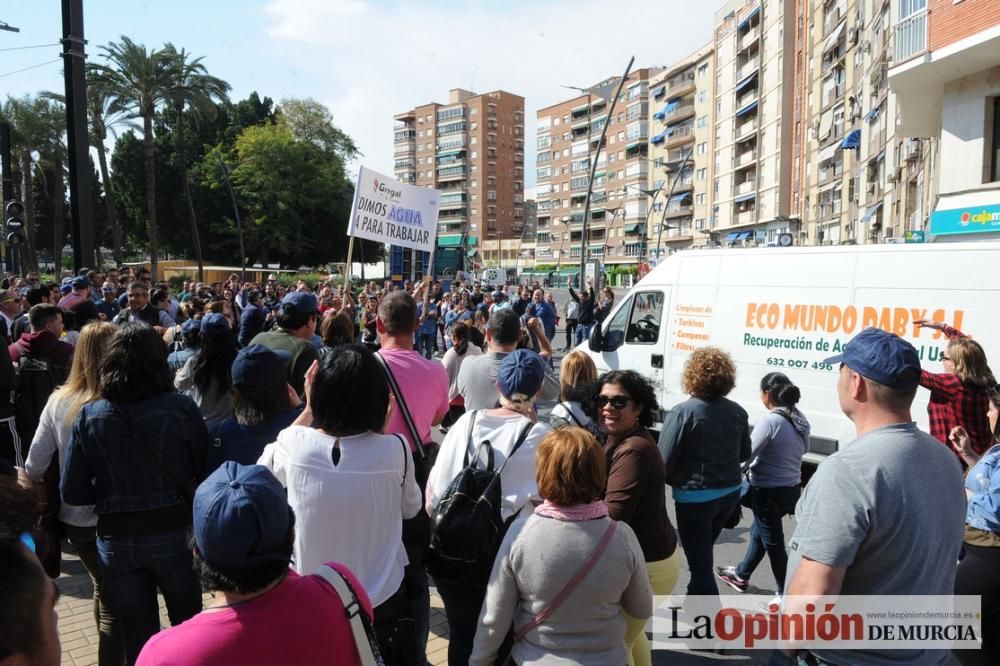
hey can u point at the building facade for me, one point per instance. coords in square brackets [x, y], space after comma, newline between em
[567, 136]
[472, 150]
[945, 75]
[682, 125]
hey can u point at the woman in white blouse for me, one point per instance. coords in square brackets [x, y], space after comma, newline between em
[350, 486]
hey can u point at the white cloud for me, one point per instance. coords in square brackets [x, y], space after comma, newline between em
[370, 61]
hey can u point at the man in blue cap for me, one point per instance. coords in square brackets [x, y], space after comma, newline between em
[264, 404]
[885, 514]
[296, 319]
[261, 612]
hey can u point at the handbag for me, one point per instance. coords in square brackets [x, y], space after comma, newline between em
[560, 598]
[361, 626]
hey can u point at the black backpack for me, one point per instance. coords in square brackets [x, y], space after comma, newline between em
[37, 378]
[466, 527]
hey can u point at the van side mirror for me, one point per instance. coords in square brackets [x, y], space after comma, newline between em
[596, 339]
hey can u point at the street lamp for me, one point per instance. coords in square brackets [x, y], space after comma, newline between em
[600, 91]
[677, 177]
[652, 193]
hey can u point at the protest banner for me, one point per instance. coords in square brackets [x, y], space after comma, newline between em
[388, 211]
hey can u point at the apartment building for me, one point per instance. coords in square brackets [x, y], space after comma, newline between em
[567, 137]
[945, 74]
[753, 158]
[681, 150]
[472, 150]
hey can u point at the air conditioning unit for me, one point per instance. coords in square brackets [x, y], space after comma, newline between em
[912, 149]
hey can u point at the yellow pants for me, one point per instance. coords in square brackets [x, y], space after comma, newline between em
[663, 576]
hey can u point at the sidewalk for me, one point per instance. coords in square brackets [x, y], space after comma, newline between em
[79, 634]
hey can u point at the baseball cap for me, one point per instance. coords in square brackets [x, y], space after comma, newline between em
[213, 322]
[882, 357]
[81, 282]
[301, 302]
[190, 325]
[505, 326]
[256, 365]
[241, 517]
[520, 375]
[64, 288]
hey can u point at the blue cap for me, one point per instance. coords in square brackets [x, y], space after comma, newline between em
[65, 288]
[81, 282]
[881, 357]
[256, 366]
[241, 517]
[301, 302]
[521, 375]
[190, 325]
[213, 322]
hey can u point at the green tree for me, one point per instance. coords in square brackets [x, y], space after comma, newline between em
[53, 153]
[139, 81]
[195, 89]
[28, 134]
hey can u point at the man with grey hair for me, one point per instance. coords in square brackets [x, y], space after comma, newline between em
[477, 378]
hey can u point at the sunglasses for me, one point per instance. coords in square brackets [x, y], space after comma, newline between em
[616, 401]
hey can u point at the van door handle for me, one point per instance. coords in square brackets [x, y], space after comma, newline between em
[656, 360]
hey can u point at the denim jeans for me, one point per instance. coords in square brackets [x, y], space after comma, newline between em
[133, 568]
[110, 642]
[462, 605]
[769, 506]
[698, 526]
[582, 332]
[425, 341]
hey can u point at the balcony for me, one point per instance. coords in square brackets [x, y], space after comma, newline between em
[405, 135]
[679, 113]
[746, 187]
[678, 210]
[748, 68]
[746, 217]
[680, 87]
[746, 129]
[748, 39]
[745, 158]
[910, 37]
[679, 136]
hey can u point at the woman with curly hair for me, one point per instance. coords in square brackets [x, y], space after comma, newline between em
[703, 443]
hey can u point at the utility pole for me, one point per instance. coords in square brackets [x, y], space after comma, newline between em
[77, 138]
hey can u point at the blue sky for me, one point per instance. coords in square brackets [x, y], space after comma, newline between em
[368, 59]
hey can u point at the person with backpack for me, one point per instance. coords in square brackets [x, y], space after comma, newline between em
[577, 374]
[351, 487]
[43, 362]
[565, 576]
[498, 443]
[206, 376]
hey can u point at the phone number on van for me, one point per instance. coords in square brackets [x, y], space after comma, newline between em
[798, 363]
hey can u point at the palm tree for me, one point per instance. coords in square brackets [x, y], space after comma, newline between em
[138, 80]
[195, 88]
[102, 119]
[52, 149]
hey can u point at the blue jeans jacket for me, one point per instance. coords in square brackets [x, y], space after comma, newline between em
[135, 457]
[983, 480]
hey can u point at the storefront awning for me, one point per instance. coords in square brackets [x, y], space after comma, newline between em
[967, 213]
[731, 236]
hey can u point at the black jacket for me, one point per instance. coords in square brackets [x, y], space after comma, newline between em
[586, 316]
[703, 443]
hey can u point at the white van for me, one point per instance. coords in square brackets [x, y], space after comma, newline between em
[788, 309]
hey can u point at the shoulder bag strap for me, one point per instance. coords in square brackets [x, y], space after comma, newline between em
[468, 446]
[569, 410]
[558, 600]
[418, 441]
[406, 457]
[361, 629]
[520, 440]
[787, 416]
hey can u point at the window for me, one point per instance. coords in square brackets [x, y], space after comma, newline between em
[544, 172]
[702, 147]
[644, 324]
[703, 121]
[702, 173]
[703, 69]
[700, 199]
[702, 96]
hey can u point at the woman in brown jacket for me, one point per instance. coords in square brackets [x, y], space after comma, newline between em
[636, 493]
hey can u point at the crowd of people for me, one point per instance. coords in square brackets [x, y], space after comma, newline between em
[273, 446]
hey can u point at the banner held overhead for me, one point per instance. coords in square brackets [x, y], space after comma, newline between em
[388, 211]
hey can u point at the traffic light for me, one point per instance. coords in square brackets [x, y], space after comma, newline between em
[14, 224]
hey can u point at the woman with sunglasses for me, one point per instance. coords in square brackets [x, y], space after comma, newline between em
[704, 441]
[958, 395]
[636, 492]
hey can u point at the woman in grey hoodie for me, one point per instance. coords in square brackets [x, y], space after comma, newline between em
[778, 442]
